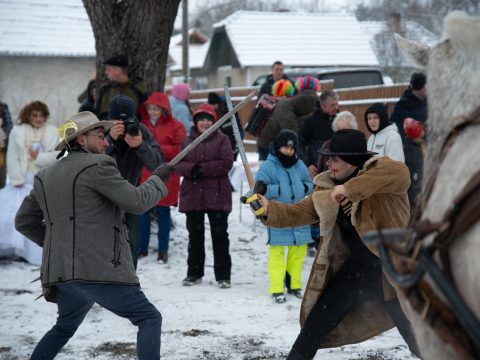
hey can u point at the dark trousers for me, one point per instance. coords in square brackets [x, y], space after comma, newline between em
[262, 154]
[414, 162]
[164, 221]
[75, 299]
[133, 226]
[351, 287]
[222, 262]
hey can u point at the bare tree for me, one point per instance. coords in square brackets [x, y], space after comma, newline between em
[140, 30]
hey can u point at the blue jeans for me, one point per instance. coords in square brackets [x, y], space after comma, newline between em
[74, 301]
[163, 220]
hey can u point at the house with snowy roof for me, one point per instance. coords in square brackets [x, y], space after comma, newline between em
[47, 53]
[245, 44]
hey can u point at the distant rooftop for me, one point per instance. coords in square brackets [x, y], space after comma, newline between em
[45, 28]
[297, 39]
[196, 51]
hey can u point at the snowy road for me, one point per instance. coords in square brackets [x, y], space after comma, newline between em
[200, 322]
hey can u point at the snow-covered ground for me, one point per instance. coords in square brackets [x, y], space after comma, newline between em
[199, 322]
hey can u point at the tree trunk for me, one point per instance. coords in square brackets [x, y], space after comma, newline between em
[139, 30]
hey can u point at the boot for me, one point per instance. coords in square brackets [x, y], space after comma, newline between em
[293, 355]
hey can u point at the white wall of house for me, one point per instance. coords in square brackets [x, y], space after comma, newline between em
[56, 81]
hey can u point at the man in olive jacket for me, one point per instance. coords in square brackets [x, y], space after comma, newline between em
[76, 213]
[347, 299]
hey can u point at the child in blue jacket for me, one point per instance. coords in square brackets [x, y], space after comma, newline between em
[284, 178]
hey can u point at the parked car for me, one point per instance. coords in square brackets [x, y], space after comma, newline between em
[342, 77]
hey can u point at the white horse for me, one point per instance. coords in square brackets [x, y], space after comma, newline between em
[453, 87]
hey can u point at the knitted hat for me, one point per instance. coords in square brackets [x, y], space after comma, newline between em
[181, 91]
[205, 111]
[286, 137]
[418, 81]
[121, 106]
[283, 88]
[117, 60]
[307, 82]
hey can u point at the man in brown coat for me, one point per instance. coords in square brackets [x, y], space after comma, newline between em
[347, 299]
[75, 212]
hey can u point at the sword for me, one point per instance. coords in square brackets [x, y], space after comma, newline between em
[251, 197]
[211, 129]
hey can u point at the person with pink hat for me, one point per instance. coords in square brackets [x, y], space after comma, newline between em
[178, 102]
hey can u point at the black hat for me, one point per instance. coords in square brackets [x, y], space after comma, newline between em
[286, 137]
[214, 98]
[418, 81]
[347, 142]
[117, 60]
[121, 106]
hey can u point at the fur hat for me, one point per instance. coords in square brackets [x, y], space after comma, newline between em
[80, 124]
[181, 91]
[418, 81]
[283, 87]
[121, 106]
[307, 83]
[117, 60]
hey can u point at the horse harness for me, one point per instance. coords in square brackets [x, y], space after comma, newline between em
[451, 320]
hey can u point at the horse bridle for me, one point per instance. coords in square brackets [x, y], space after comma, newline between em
[406, 260]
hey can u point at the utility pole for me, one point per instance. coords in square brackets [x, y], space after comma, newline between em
[185, 42]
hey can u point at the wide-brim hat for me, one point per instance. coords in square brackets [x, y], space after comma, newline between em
[79, 124]
[347, 142]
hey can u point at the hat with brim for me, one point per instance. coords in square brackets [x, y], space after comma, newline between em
[347, 142]
[80, 124]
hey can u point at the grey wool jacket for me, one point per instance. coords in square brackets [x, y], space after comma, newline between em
[76, 213]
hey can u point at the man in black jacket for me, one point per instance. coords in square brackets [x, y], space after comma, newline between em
[133, 146]
[413, 104]
[277, 74]
[317, 129]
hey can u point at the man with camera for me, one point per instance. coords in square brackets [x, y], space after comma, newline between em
[133, 146]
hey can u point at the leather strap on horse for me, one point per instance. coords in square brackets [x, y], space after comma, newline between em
[440, 318]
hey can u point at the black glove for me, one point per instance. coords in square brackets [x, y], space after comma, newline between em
[163, 172]
[260, 187]
[305, 188]
[196, 172]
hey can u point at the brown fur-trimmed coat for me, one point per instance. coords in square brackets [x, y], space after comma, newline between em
[379, 197]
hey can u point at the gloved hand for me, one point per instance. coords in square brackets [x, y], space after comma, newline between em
[196, 172]
[260, 187]
[163, 172]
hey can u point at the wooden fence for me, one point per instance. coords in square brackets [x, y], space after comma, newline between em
[356, 100]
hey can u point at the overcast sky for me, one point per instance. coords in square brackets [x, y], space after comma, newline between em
[331, 5]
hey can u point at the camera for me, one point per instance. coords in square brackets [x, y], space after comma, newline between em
[131, 124]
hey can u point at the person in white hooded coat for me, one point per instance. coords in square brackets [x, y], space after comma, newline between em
[385, 139]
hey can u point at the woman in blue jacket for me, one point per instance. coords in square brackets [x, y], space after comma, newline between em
[284, 178]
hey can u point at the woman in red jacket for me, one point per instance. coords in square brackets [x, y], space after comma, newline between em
[169, 133]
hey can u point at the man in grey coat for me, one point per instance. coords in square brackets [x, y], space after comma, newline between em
[76, 213]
